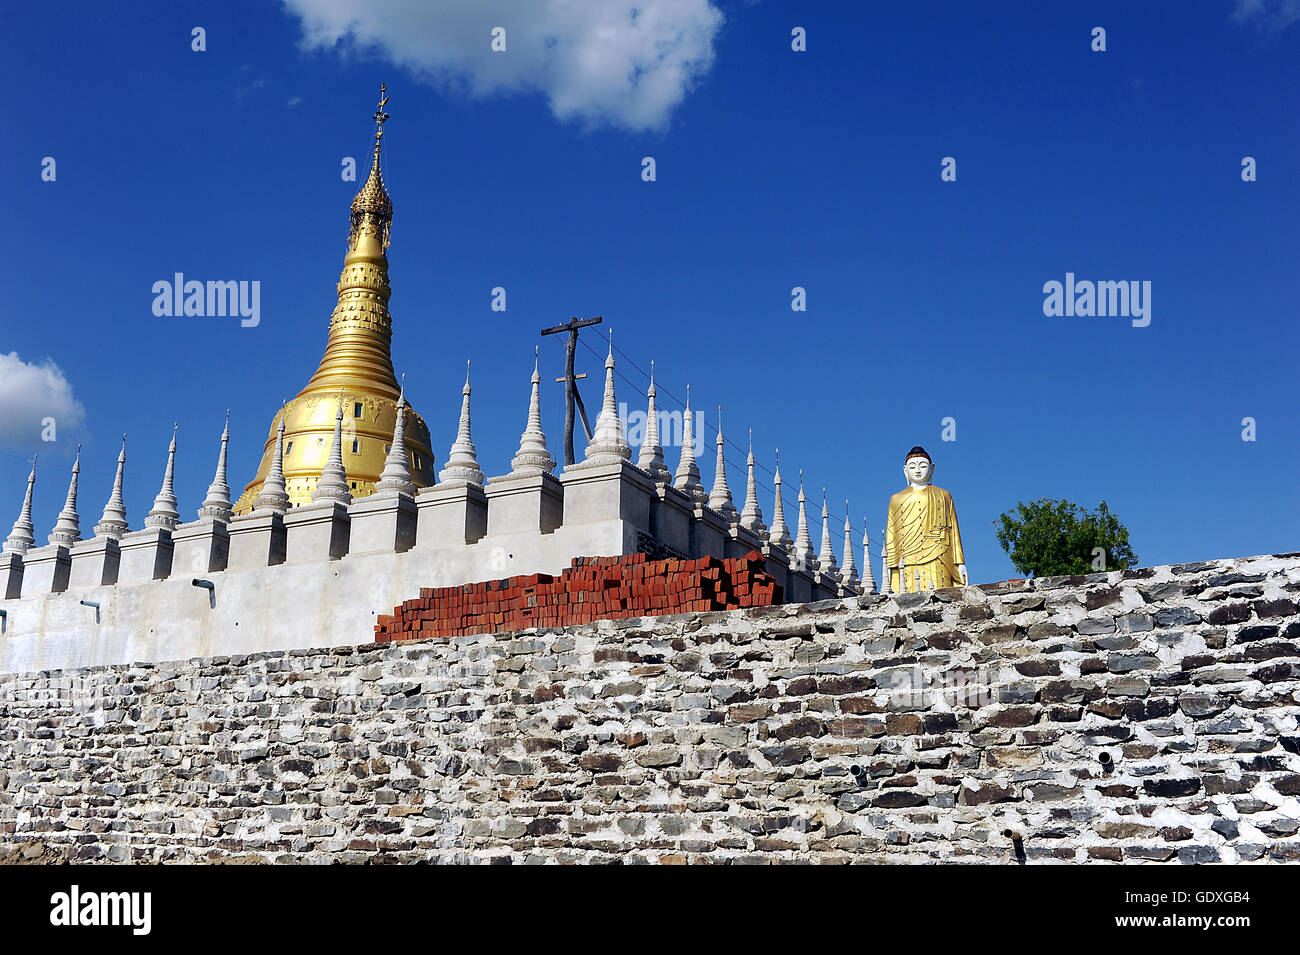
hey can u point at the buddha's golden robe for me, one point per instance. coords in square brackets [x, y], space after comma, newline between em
[921, 532]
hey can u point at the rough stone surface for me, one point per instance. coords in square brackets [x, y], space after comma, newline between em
[719, 737]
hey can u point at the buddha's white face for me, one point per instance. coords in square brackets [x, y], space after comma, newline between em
[918, 470]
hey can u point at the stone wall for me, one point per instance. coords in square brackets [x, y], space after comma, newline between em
[978, 721]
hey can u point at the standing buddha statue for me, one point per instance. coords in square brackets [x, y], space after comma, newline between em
[922, 542]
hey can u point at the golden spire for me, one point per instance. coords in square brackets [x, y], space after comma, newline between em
[372, 209]
[358, 360]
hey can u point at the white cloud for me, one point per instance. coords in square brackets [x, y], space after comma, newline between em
[30, 393]
[1271, 16]
[625, 63]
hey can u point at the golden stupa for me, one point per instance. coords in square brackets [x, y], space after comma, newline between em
[358, 362]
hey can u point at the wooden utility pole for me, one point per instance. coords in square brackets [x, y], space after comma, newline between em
[571, 396]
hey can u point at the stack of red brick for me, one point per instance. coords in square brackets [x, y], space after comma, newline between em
[593, 588]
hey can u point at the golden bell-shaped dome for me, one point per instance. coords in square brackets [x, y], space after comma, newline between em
[357, 361]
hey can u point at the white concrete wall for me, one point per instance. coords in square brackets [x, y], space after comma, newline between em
[314, 604]
[320, 602]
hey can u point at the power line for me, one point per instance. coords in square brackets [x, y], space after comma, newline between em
[832, 517]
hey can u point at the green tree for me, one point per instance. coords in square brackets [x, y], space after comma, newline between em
[1046, 538]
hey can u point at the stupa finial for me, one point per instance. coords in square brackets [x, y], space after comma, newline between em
[826, 556]
[462, 462]
[720, 496]
[274, 498]
[779, 534]
[333, 483]
[803, 551]
[868, 580]
[608, 444]
[372, 209]
[533, 458]
[163, 513]
[687, 478]
[651, 458]
[67, 529]
[751, 515]
[112, 522]
[217, 503]
[848, 567]
[23, 535]
[396, 478]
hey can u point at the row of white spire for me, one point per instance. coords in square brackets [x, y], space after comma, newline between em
[112, 522]
[608, 445]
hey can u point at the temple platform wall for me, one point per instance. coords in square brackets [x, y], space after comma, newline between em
[316, 603]
[311, 599]
[1146, 716]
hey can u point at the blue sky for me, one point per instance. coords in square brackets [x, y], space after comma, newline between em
[775, 169]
